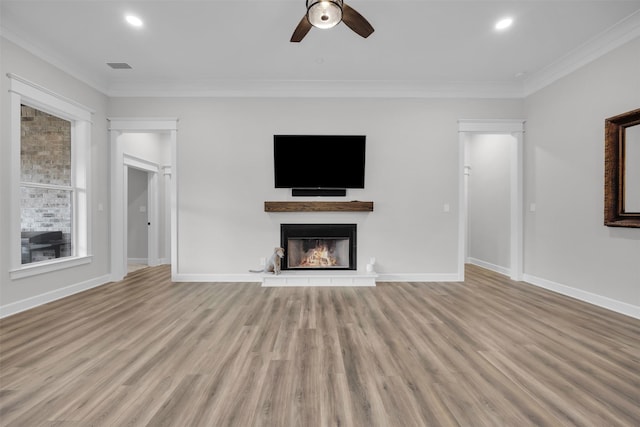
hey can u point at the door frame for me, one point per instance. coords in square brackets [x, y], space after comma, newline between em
[153, 231]
[515, 128]
[118, 126]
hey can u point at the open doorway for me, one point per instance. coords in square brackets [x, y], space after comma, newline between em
[144, 204]
[495, 247]
[487, 171]
[142, 148]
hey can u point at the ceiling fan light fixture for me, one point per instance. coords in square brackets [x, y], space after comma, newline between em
[324, 13]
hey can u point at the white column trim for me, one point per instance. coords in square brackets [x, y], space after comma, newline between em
[174, 205]
[517, 206]
[166, 255]
[118, 214]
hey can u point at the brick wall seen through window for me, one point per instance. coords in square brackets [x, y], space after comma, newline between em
[46, 183]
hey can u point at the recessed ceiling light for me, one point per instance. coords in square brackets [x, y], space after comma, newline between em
[504, 23]
[133, 20]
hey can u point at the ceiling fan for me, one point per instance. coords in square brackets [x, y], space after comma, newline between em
[327, 14]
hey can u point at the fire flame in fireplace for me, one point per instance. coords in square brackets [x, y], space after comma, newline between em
[319, 257]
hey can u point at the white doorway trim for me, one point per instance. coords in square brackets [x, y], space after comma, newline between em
[515, 128]
[118, 126]
[166, 172]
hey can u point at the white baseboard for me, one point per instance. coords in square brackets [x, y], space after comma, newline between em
[493, 267]
[138, 260]
[256, 277]
[47, 297]
[417, 277]
[599, 300]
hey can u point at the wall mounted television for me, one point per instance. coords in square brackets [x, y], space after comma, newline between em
[319, 161]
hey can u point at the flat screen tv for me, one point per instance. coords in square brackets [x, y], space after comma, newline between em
[319, 161]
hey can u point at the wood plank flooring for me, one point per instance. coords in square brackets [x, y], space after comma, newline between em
[486, 352]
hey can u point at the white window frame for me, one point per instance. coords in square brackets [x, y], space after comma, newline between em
[24, 92]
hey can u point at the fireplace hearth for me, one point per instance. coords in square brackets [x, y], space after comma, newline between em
[319, 246]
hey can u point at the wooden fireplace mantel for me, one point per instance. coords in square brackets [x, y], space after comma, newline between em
[353, 206]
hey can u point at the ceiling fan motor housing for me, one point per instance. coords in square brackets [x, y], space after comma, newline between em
[324, 13]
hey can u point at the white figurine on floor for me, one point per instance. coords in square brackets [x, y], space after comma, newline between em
[273, 264]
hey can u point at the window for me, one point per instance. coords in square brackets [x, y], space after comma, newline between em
[46, 191]
[50, 146]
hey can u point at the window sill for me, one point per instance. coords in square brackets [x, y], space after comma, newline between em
[43, 267]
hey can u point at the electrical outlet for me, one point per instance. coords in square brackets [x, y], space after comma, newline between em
[263, 261]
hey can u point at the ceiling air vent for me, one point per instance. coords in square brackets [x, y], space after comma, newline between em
[119, 65]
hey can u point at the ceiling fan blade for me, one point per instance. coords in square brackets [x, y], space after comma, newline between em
[301, 30]
[356, 22]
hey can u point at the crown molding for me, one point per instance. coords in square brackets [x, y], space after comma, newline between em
[321, 89]
[624, 31]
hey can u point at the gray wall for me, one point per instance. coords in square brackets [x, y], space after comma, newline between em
[225, 173]
[565, 240]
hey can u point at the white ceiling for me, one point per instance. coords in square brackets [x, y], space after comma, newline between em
[242, 48]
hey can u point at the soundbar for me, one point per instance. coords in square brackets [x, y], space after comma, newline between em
[318, 192]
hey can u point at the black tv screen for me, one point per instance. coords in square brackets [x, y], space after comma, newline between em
[319, 161]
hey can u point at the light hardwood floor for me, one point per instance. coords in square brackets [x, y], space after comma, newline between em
[487, 352]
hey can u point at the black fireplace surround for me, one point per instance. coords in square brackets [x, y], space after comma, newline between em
[318, 246]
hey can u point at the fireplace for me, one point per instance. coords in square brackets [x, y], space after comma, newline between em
[318, 246]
